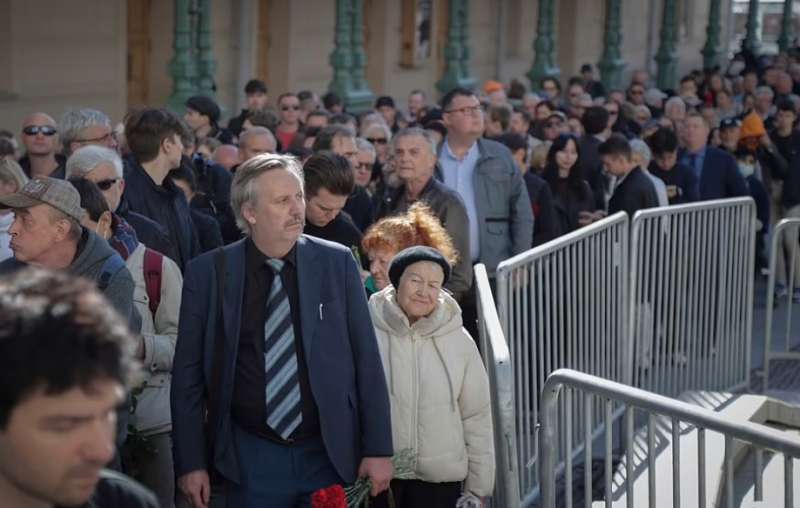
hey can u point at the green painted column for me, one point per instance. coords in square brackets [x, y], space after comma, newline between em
[544, 46]
[667, 57]
[467, 79]
[787, 29]
[751, 40]
[611, 63]
[206, 64]
[341, 58]
[453, 61]
[182, 67]
[361, 98]
[711, 51]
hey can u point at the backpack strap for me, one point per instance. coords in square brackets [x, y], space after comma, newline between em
[111, 266]
[152, 269]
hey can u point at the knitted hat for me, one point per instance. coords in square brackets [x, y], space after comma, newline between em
[205, 106]
[411, 255]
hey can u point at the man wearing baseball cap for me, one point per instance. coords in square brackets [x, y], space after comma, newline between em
[47, 233]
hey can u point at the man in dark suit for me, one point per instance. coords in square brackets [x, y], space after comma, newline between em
[634, 190]
[717, 173]
[285, 358]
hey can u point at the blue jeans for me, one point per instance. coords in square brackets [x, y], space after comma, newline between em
[278, 476]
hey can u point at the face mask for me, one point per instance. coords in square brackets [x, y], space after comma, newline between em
[746, 169]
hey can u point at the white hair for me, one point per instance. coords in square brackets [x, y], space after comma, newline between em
[414, 131]
[87, 158]
[765, 90]
[74, 121]
[362, 145]
[256, 131]
[640, 147]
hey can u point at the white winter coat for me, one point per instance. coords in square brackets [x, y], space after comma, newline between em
[439, 393]
[153, 414]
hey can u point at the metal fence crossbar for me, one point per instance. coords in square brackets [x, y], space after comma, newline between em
[786, 247]
[760, 437]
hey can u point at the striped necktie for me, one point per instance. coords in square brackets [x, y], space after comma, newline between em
[284, 412]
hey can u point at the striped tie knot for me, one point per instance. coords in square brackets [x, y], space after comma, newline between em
[276, 264]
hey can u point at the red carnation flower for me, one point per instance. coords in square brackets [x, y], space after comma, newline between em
[330, 497]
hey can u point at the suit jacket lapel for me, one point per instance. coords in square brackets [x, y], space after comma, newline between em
[309, 280]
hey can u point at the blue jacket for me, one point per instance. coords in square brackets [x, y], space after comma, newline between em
[344, 365]
[720, 178]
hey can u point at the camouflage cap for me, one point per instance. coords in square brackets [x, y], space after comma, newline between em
[57, 193]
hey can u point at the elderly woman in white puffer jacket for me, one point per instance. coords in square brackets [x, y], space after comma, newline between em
[438, 387]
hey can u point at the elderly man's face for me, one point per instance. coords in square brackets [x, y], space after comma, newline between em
[763, 102]
[39, 134]
[109, 183]
[34, 232]
[278, 215]
[413, 159]
[419, 288]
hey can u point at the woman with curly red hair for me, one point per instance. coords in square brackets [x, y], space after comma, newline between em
[390, 235]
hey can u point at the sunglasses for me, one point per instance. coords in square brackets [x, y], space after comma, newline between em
[106, 184]
[377, 141]
[287, 108]
[32, 130]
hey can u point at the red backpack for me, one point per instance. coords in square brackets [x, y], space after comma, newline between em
[152, 278]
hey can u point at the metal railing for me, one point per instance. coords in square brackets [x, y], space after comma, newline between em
[498, 367]
[563, 304]
[784, 238]
[692, 276]
[760, 437]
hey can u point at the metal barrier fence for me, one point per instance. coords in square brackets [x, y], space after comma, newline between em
[692, 296]
[498, 367]
[563, 304]
[760, 437]
[784, 242]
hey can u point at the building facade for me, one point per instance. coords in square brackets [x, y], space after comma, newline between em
[115, 55]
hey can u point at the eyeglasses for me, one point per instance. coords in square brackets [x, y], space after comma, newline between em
[466, 110]
[364, 166]
[287, 108]
[32, 130]
[106, 184]
[377, 141]
[105, 138]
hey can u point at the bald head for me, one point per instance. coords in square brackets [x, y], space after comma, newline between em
[226, 156]
[39, 135]
[256, 141]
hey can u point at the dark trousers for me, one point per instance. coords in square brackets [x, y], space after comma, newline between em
[416, 493]
[278, 476]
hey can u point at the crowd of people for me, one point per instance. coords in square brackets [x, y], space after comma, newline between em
[297, 283]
